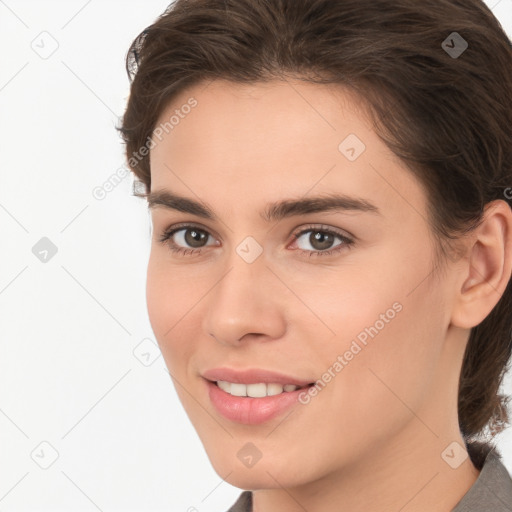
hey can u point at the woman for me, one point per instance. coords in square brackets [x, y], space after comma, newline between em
[329, 276]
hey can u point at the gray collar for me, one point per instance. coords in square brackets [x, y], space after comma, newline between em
[491, 491]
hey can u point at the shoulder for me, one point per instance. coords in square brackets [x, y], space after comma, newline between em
[243, 503]
[493, 487]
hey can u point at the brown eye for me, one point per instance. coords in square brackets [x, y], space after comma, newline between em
[185, 239]
[194, 237]
[322, 241]
[190, 239]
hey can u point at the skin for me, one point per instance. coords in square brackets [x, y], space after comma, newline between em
[372, 439]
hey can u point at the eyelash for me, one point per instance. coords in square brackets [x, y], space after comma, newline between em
[166, 239]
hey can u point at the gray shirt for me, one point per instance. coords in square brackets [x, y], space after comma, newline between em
[492, 491]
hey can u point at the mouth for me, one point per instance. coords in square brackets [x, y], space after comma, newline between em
[253, 395]
[253, 402]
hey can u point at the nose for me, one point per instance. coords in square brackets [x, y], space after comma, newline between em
[246, 303]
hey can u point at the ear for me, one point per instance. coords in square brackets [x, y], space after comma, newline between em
[488, 268]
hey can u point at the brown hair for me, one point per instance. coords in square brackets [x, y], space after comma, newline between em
[448, 116]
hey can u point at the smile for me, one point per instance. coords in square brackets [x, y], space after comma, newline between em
[258, 390]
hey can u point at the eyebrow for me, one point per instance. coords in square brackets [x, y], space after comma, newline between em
[273, 211]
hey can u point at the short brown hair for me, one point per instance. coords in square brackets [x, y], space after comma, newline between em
[449, 117]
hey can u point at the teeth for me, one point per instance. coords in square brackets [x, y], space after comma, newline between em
[238, 389]
[225, 386]
[274, 389]
[258, 390]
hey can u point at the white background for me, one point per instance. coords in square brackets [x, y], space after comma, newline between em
[69, 327]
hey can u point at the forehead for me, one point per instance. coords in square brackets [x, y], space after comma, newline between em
[277, 139]
[286, 106]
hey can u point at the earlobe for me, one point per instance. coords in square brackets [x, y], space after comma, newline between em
[488, 268]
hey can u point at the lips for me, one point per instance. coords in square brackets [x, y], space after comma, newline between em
[253, 376]
[250, 404]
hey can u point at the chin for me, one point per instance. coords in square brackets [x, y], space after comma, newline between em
[252, 479]
[267, 473]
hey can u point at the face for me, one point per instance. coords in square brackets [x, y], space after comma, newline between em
[340, 301]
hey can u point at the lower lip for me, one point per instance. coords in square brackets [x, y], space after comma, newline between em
[249, 410]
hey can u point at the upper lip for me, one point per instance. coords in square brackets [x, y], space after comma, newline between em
[252, 376]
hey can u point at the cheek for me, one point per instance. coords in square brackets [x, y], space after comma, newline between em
[386, 324]
[394, 364]
[170, 301]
